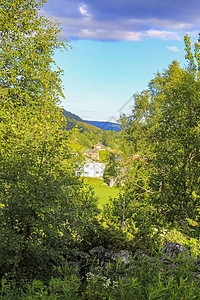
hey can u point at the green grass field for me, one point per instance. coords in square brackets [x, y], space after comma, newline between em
[102, 191]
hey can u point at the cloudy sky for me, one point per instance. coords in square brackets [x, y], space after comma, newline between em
[118, 46]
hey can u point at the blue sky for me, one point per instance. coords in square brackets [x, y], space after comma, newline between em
[118, 46]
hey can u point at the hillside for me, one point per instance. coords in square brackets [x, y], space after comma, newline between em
[70, 115]
[72, 119]
[87, 135]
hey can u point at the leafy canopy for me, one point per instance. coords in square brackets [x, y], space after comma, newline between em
[163, 130]
[43, 207]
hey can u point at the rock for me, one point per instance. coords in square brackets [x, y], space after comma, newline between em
[103, 261]
[106, 255]
[173, 250]
[123, 255]
[98, 252]
[109, 258]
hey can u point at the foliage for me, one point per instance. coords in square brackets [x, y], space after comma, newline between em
[112, 167]
[150, 278]
[102, 155]
[139, 223]
[164, 131]
[38, 189]
[43, 207]
[45, 211]
[28, 41]
[175, 235]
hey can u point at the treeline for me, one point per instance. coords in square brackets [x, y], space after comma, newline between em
[88, 135]
[85, 135]
[159, 171]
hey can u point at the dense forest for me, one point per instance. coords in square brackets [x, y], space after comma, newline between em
[55, 242]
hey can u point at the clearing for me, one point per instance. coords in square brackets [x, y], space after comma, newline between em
[102, 191]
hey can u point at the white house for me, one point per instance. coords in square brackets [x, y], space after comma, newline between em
[91, 169]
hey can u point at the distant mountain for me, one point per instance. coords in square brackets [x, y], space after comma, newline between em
[105, 125]
[90, 134]
[72, 119]
[69, 115]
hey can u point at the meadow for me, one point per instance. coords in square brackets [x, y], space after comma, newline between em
[102, 191]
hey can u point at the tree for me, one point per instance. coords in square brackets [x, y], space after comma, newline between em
[112, 167]
[175, 180]
[164, 127]
[43, 207]
[28, 41]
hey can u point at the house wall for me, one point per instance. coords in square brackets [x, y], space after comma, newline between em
[91, 169]
[95, 156]
[92, 154]
[99, 146]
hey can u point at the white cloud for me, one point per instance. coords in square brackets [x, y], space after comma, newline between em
[87, 33]
[83, 8]
[115, 35]
[173, 48]
[123, 35]
[163, 35]
[88, 28]
[169, 24]
[128, 19]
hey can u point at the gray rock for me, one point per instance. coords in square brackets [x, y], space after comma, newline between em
[123, 255]
[98, 252]
[108, 254]
[173, 250]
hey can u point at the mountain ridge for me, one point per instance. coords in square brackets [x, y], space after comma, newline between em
[73, 119]
[88, 134]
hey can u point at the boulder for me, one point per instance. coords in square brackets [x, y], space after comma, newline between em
[98, 252]
[173, 250]
[123, 256]
[109, 257]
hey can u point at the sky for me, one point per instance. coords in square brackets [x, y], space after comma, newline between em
[117, 48]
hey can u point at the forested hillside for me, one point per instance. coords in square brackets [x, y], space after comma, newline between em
[72, 119]
[86, 135]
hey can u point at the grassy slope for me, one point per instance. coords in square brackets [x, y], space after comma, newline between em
[102, 190]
